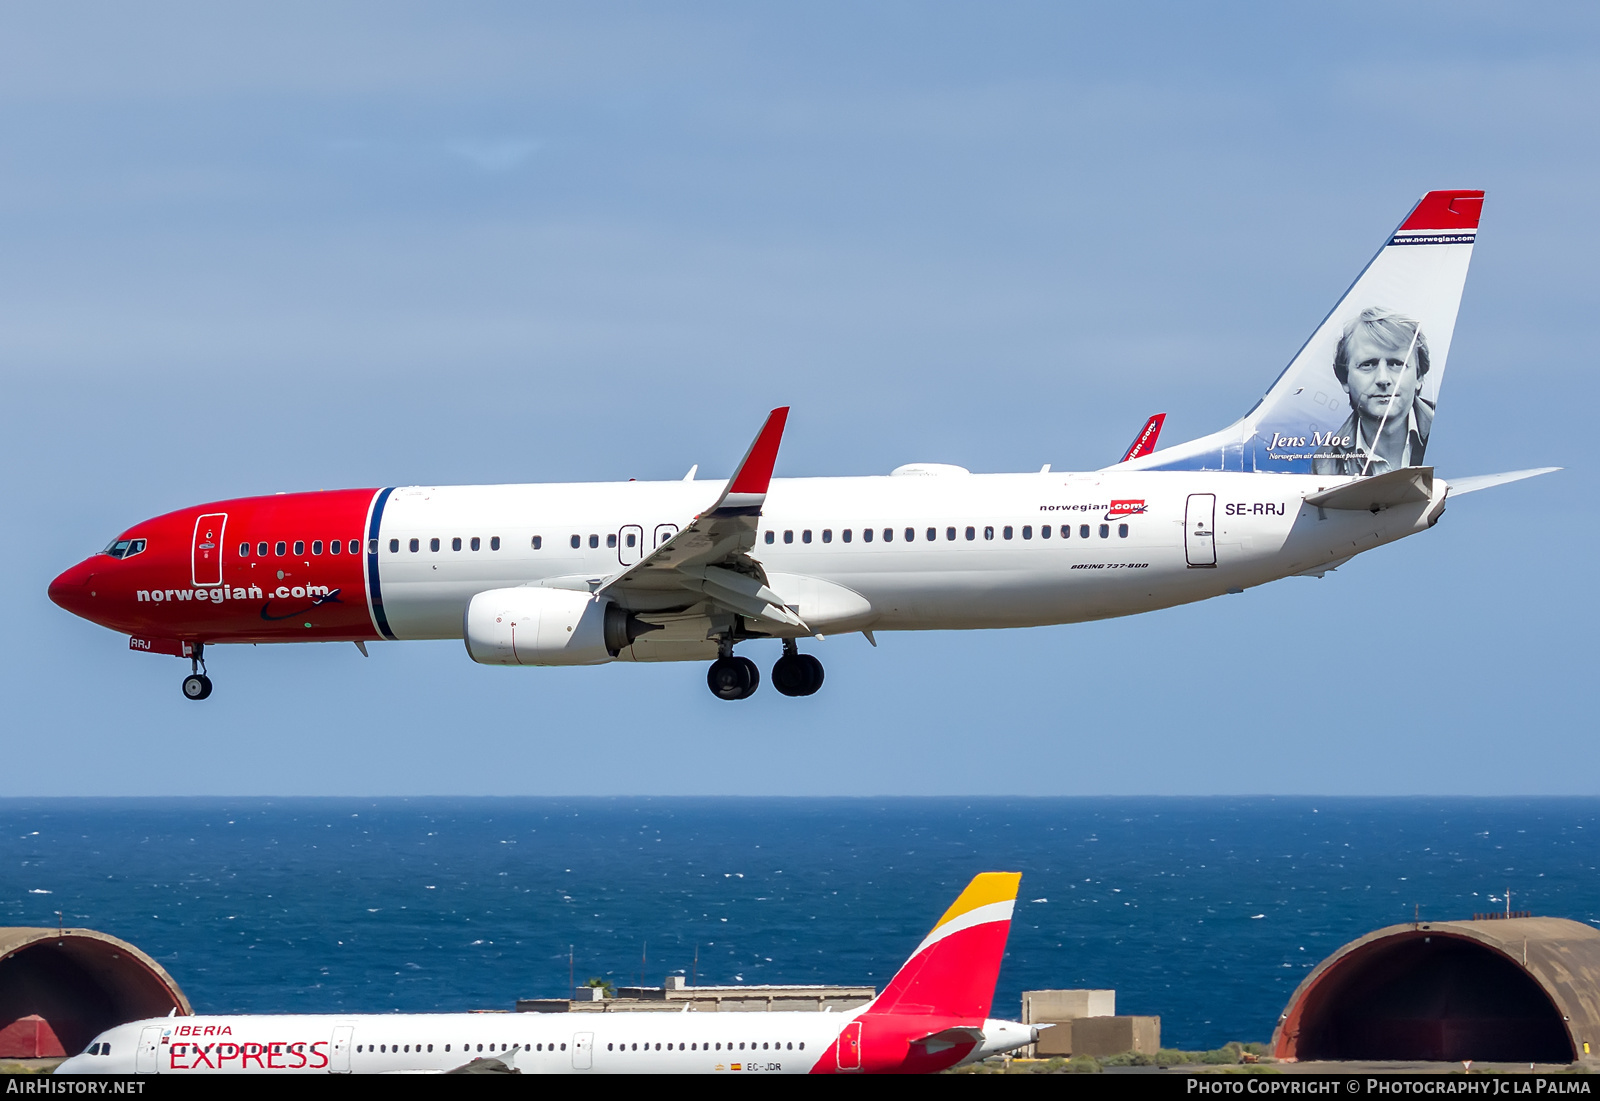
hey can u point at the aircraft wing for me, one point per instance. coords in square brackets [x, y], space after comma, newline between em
[710, 558]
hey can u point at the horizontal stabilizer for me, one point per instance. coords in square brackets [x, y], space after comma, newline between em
[947, 1038]
[1406, 486]
[1458, 486]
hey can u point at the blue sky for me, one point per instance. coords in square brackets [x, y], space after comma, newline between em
[250, 249]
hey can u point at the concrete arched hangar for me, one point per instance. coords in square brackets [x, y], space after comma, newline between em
[60, 987]
[1519, 989]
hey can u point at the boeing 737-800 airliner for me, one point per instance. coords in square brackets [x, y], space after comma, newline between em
[933, 1014]
[1329, 463]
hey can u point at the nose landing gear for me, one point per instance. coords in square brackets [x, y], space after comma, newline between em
[796, 674]
[197, 686]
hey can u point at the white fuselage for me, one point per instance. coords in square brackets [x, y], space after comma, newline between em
[534, 1043]
[1119, 543]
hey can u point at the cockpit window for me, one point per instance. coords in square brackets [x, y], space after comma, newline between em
[124, 548]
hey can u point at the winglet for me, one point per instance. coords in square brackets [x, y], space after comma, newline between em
[748, 486]
[755, 469]
[1145, 441]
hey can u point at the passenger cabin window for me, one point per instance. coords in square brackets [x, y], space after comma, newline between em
[911, 534]
[594, 542]
[494, 542]
[415, 546]
[455, 543]
[950, 534]
[1083, 531]
[1044, 532]
[827, 535]
[805, 536]
[1006, 531]
[299, 548]
[355, 546]
[335, 546]
[316, 546]
[1027, 531]
[933, 533]
[433, 544]
[772, 537]
[261, 550]
[988, 532]
[577, 541]
[888, 535]
[972, 533]
[866, 535]
[244, 550]
[279, 548]
[394, 546]
[611, 540]
[845, 535]
[1122, 531]
[788, 537]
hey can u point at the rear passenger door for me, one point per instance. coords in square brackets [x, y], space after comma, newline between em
[582, 1050]
[1199, 530]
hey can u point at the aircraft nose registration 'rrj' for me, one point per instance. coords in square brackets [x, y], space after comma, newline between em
[1331, 462]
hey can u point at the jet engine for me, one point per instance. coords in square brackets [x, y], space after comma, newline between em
[533, 626]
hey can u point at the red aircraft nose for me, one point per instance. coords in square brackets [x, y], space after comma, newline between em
[71, 590]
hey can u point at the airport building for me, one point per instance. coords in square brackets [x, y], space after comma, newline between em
[675, 995]
[61, 987]
[1517, 989]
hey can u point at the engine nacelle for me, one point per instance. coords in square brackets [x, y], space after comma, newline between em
[533, 626]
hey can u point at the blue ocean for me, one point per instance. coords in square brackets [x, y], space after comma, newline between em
[1206, 912]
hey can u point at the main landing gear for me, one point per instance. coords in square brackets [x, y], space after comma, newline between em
[736, 678]
[197, 686]
[796, 674]
[733, 678]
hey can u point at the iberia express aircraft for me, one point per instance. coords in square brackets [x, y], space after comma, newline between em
[933, 1014]
[1329, 463]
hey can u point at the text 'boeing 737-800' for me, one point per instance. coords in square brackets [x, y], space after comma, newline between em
[1329, 463]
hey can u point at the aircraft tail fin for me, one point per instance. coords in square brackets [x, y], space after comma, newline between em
[1359, 397]
[954, 970]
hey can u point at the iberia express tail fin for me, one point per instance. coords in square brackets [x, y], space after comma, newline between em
[954, 969]
[1359, 397]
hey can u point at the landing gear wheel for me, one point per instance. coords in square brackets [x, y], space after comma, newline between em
[733, 678]
[197, 686]
[797, 674]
